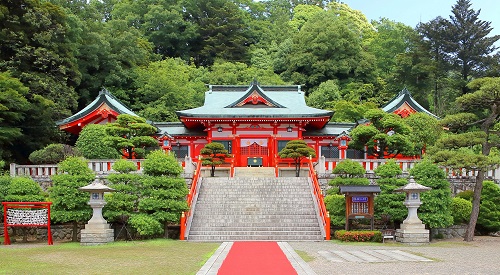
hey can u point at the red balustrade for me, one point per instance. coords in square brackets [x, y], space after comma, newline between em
[192, 194]
[325, 216]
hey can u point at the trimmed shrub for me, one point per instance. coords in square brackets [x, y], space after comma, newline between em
[24, 189]
[158, 163]
[358, 236]
[335, 205]
[466, 195]
[349, 172]
[52, 154]
[460, 210]
[489, 211]
[124, 166]
[91, 143]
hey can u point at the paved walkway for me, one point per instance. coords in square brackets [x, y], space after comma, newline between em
[214, 264]
[481, 256]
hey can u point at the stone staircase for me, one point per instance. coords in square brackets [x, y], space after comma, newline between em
[255, 208]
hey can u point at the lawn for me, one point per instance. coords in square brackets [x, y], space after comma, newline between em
[138, 257]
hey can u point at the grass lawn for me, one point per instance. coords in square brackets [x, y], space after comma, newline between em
[139, 257]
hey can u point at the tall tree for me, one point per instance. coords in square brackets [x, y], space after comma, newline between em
[13, 108]
[318, 53]
[469, 45]
[473, 133]
[221, 31]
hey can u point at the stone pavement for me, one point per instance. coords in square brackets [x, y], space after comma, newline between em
[482, 256]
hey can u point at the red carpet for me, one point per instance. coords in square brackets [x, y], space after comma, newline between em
[263, 258]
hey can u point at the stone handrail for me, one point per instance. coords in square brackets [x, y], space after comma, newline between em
[41, 171]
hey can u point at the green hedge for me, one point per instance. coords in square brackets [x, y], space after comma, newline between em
[358, 236]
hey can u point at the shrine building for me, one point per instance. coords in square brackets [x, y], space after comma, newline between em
[253, 123]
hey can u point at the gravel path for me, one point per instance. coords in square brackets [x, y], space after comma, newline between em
[449, 257]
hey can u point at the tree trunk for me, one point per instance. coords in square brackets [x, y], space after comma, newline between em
[297, 168]
[212, 171]
[75, 232]
[469, 234]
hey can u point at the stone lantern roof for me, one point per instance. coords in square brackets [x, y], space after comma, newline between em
[413, 187]
[96, 186]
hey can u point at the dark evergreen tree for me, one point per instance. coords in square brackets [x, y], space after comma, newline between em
[469, 45]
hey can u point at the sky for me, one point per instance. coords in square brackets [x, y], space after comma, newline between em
[411, 12]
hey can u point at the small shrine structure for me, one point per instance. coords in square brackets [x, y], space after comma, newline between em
[359, 202]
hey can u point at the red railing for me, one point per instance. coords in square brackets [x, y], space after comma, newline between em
[185, 216]
[324, 215]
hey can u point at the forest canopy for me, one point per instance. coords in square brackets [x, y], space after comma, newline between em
[156, 56]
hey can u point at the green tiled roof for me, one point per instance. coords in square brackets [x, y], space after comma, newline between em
[331, 129]
[400, 99]
[104, 97]
[177, 129]
[287, 101]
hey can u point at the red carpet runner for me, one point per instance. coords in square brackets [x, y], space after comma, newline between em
[262, 258]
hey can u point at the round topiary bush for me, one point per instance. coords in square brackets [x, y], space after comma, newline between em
[460, 210]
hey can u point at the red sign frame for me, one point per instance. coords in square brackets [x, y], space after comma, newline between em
[26, 205]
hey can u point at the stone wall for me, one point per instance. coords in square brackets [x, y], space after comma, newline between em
[60, 233]
[454, 231]
[64, 233]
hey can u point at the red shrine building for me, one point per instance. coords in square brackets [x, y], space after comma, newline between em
[253, 123]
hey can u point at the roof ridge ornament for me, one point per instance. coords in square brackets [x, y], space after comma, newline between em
[254, 82]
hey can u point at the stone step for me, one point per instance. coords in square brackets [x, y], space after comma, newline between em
[252, 233]
[274, 227]
[254, 224]
[217, 238]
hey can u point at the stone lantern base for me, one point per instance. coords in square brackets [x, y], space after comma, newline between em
[96, 234]
[412, 234]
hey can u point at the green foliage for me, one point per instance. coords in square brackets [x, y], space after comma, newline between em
[390, 169]
[213, 154]
[349, 168]
[13, 107]
[150, 200]
[466, 195]
[387, 134]
[24, 189]
[146, 225]
[53, 153]
[358, 236]
[123, 202]
[317, 53]
[159, 163]
[461, 210]
[124, 166]
[435, 210]
[91, 145]
[335, 204]
[489, 213]
[5, 181]
[68, 203]
[131, 136]
[165, 87]
[349, 172]
[389, 202]
[297, 150]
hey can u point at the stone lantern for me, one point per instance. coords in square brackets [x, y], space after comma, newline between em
[412, 230]
[97, 230]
